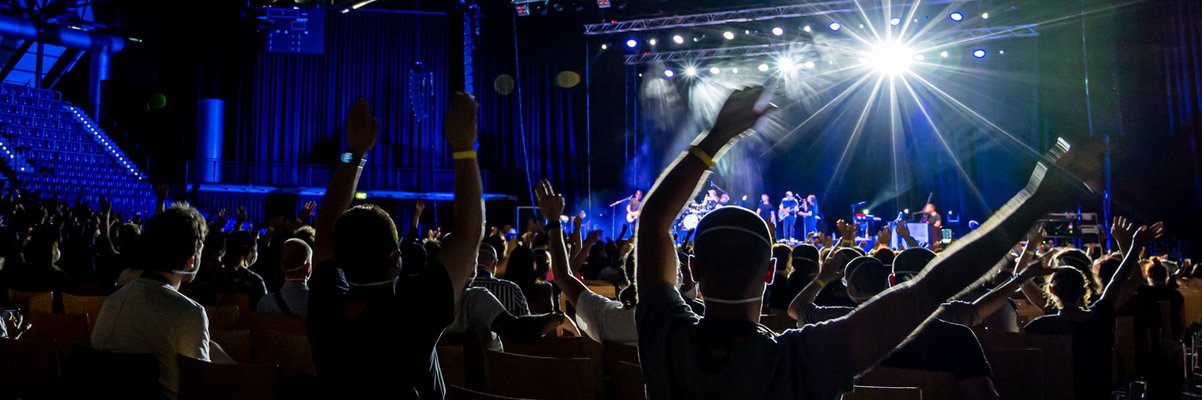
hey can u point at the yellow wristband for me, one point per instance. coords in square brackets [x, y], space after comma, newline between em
[464, 155]
[702, 156]
[821, 283]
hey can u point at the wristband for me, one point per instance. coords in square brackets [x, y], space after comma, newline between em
[702, 156]
[464, 155]
[821, 283]
[350, 159]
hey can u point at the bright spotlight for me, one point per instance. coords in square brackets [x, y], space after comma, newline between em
[943, 54]
[889, 58]
[734, 70]
[669, 73]
[632, 43]
[895, 21]
[808, 65]
[920, 57]
[715, 70]
[835, 26]
[690, 71]
[678, 39]
[985, 15]
[778, 31]
[956, 16]
[806, 28]
[728, 35]
[786, 65]
[979, 53]
[604, 46]
[763, 68]
[652, 42]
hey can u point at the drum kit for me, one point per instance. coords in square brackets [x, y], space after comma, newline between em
[691, 217]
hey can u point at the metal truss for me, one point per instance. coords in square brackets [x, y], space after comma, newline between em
[958, 36]
[745, 15]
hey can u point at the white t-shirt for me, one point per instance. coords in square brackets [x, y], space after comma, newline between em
[605, 320]
[296, 296]
[148, 316]
[477, 310]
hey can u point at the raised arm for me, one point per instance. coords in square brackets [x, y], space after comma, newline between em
[551, 205]
[1118, 289]
[461, 249]
[903, 232]
[827, 273]
[893, 315]
[361, 136]
[655, 250]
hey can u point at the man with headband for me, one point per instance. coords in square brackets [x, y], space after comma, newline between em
[296, 262]
[726, 353]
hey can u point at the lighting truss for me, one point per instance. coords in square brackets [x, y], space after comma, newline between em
[745, 15]
[958, 35]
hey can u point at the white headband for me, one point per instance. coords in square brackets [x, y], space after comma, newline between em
[758, 235]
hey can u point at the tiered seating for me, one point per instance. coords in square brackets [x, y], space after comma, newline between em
[53, 147]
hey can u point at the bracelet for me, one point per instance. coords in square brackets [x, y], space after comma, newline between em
[821, 283]
[348, 158]
[464, 155]
[702, 156]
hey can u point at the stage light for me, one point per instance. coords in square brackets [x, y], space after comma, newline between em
[895, 21]
[806, 28]
[715, 70]
[920, 57]
[604, 46]
[979, 53]
[763, 68]
[786, 65]
[652, 42]
[747, 31]
[835, 26]
[690, 71]
[889, 58]
[985, 15]
[603, 4]
[865, 211]
[728, 35]
[956, 16]
[778, 31]
[632, 43]
[943, 54]
[1001, 52]
[678, 39]
[734, 70]
[907, 211]
[360, 195]
[808, 65]
[669, 73]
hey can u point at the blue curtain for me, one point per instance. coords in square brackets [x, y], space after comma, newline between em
[294, 106]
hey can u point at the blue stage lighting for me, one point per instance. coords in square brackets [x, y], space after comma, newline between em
[956, 16]
[979, 53]
[632, 43]
[835, 26]
[669, 73]
[895, 21]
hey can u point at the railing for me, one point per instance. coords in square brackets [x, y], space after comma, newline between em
[318, 175]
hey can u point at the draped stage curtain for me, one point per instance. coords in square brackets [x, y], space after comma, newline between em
[294, 105]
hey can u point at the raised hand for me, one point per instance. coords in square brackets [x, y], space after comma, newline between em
[1145, 235]
[549, 202]
[160, 191]
[307, 210]
[362, 129]
[460, 127]
[419, 208]
[1041, 268]
[827, 240]
[593, 236]
[738, 114]
[15, 325]
[884, 237]
[903, 231]
[240, 218]
[1121, 230]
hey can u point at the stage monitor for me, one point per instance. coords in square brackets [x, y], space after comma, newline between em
[294, 30]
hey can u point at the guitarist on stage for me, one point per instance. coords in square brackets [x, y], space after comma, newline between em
[634, 207]
[788, 215]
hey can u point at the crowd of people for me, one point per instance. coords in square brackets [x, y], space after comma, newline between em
[377, 303]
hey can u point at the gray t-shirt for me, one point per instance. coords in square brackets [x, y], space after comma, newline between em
[295, 296]
[478, 308]
[686, 356]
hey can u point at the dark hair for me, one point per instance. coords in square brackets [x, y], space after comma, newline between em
[238, 247]
[732, 249]
[1157, 272]
[1079, 261]
[364, 239]
[884, 254]
[868, 275]
[171, 237]
[806, 250]
[40, 250]
[910, 262]
[1106, 267]
[784, 258]
[521, 268]
[1067, 284]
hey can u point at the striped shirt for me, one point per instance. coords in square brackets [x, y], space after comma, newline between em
[507, 292]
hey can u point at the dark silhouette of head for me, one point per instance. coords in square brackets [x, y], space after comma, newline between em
[732, 254]
[365, 245]
[1067, 288]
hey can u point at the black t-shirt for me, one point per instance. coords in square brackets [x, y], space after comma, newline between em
[1093, 347]
[943, 346]
[766, 210]
[367, 346]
